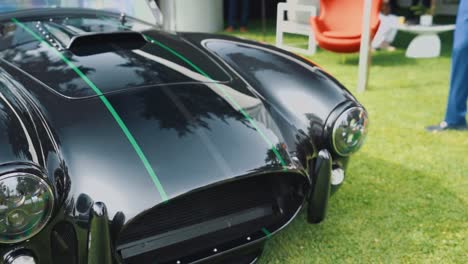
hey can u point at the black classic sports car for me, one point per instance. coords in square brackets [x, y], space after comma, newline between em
[123, 143]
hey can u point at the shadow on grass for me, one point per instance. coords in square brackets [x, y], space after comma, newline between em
[401, 42]
[385, 212]
[384, 58]
[403, 39]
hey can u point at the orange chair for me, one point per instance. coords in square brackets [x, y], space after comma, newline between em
[339, 24]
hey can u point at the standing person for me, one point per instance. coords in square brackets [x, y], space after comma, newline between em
[426, 3]
[387, 29]
[233, 6]
[455, 116]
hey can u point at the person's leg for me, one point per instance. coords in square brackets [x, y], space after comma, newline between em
[379, 38]
[426, 3]
[458, 94]
[395, 6]
[392, 29]
[390, 35]
[245, 13]
[385, 34]
[232, 13]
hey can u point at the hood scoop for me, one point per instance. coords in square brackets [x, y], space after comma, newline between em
[96, 43]
[113, 59]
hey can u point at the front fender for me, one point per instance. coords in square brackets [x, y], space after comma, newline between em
[300, 91]
[18, 138]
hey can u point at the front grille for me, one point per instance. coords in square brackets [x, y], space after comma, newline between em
[210, 218]
[64, 244]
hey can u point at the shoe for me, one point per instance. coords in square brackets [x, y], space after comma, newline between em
[386, 46]
[229, 29]
[443, 126]
[243, 30]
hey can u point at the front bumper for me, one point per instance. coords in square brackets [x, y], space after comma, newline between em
[98, 232]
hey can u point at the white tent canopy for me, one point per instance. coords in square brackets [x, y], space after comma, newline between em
[196, 16]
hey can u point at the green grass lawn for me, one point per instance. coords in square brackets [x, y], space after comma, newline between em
[405, 199]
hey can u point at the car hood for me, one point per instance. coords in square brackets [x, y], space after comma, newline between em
[160, 129]
[188, 133]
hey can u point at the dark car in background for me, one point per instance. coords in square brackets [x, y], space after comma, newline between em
[122, 143]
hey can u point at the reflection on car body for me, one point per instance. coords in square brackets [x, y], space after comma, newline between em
[184, 148]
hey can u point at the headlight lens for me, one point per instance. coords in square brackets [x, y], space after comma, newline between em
[26, 203]
[350, 131]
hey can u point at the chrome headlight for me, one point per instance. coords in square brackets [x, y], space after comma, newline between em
[350, 131]
[26, 203]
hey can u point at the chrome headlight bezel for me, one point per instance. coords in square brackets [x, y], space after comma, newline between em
[37, 227]
[360, 126]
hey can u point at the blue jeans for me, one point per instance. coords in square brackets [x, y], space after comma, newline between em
[232, 10]
[458, 94]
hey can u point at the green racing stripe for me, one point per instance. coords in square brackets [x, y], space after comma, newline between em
[123, 126]
[223, 91]
[266, 232]
[109, 107]
[227, 96]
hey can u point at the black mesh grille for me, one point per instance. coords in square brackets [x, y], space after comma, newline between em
[198, 207]
[276, 196]
[64, 244]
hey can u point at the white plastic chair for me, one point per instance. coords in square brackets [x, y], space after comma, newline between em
[296, 24]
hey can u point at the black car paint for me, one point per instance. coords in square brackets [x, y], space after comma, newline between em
[52, 124]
